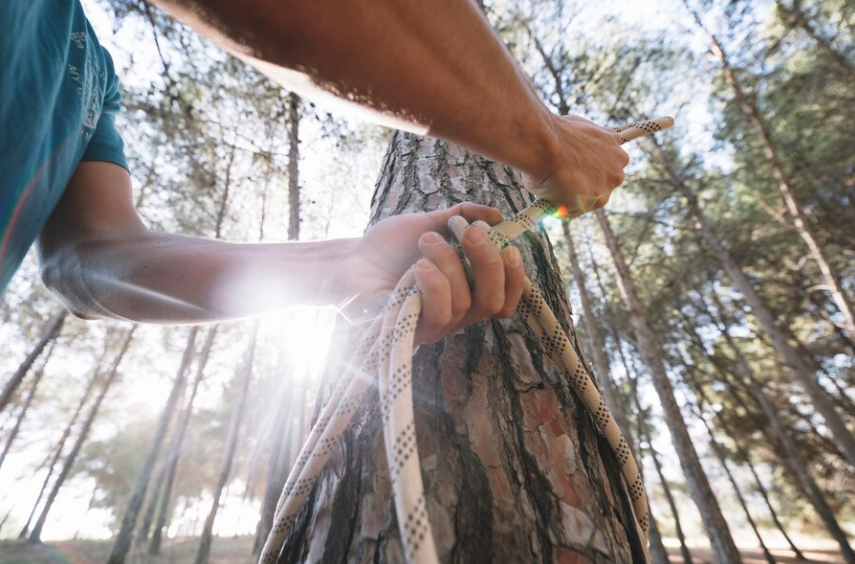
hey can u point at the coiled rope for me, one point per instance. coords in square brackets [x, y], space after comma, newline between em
[385, 352]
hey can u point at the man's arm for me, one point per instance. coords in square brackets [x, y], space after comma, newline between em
[100, 259]
[429, 67]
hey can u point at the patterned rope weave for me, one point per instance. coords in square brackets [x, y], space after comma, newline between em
[385, 352]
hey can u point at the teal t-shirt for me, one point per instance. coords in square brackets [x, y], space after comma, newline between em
[59, 96]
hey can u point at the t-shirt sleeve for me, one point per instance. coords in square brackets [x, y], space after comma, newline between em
[106, 144]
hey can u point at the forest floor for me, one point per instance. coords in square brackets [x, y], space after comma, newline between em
[236, 551]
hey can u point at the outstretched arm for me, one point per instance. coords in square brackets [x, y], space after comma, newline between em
[100, 259]
[429, 67]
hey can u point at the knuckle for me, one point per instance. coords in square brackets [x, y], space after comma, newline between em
[461, 305]
[491, 305]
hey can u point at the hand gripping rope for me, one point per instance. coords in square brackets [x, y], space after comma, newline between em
[386, 350]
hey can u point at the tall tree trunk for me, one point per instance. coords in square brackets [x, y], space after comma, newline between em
[785, 186]
[793, 457]
[111, 377]
[293, 166]
[13, 434]
[514, 468]
[788, 354]
[279, 462]
[50, 332]
[60, 446]
[242, 380]
[721, 455]
[129, 520]
[645, 438]
[158, 476]
[174, 454]
[277, 466]
[761, 489]
[597, 346]
[723, 547]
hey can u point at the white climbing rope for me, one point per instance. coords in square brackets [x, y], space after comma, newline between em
[385, 351]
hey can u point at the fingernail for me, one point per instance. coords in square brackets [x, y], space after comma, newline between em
[513, 256]
[431, 238]
[477, 236]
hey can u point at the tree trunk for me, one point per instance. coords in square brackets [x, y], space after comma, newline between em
[111, 377]
[293, 166]
[159, 476]
[793, 457]
[515, 470]
[762, 490]
[242, 380]
[612, 397]
[777, 337]
[721, 455]
[280, 459]
[50, 332]
[645, 437]
[723, 547]
[13, 434]
[788, 193]
[175, 449]
[129, 521]
[61, 443]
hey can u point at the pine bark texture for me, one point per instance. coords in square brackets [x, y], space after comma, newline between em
[514, 469]
[723, 547]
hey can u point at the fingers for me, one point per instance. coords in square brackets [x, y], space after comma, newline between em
[471, 212]
[444, 303]
[448, 304]
[436, 316]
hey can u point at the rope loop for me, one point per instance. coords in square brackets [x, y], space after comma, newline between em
[384, 353]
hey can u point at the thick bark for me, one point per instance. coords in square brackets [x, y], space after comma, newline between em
[514, 469]
[111, 377]
[785, 186]
[789, 355]
[174, 453]
[13, 434]
[597, 346]
[293, 166]
[242, 380]
[129, 520]
[723, 547]
[793, 457]
[50, 332]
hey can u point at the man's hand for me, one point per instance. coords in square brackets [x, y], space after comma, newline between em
[586, 167]
[389, 248]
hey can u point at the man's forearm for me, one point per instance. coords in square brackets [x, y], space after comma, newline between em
[162, 278]
[434, 67]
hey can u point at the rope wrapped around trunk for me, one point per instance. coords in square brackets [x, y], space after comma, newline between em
[385, 352]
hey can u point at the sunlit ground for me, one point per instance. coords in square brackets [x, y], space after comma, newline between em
[236, 550]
